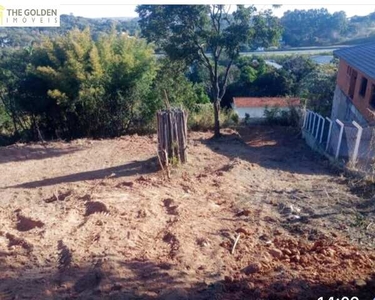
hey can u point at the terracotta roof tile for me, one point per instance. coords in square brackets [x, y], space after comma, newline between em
[265, 101]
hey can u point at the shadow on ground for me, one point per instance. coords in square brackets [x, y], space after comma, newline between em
[149, 280]
[133, 168]
[278, 148]
[15, 153]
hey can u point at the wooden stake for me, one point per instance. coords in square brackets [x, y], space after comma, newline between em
[235, 243]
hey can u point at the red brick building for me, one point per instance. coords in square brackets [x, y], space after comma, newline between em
[354, 98]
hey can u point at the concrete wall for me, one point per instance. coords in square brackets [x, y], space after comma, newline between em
[344, 109]
[362, 104]
[362, 160]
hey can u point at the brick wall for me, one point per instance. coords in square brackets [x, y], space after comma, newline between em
[361, 103]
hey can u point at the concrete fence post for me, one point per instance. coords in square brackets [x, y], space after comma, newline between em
[322, 129]
[317, 127]
[304, 118]
[341, 124]
[357, 141]
[307, 119]
[310, 121]
[329, 132]
[313, 127]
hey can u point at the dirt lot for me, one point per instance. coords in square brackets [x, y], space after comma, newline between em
[98, 220]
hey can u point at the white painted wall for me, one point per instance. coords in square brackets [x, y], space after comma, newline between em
[254, 112]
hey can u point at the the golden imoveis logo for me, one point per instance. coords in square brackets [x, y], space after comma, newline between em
[22, 16]
[2, 8]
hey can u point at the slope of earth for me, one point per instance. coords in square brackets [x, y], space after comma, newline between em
[99, 220]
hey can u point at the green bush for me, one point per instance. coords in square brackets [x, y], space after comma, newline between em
[202, 117]
[277, 116]
[73, 86]
[234, 117]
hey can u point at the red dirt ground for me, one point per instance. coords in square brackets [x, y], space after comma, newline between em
[98, 220]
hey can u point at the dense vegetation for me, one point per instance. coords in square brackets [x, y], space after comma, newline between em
[22, 37]
[73, 86]
[100, 82]
[314, 27]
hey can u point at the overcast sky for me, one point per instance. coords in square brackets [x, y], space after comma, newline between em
[125, 10]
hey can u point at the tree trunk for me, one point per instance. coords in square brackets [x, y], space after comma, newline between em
[217, 118]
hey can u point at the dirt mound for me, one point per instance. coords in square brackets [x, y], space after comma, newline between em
[174, 243]
[170, 207]
[94, 207]
[16, 241]
[324, 258]
[59, 196]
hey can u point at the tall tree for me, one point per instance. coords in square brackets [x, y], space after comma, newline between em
[210, 35]
[313, 27]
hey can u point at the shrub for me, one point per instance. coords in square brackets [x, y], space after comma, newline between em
[73, 86]
[202, 117]
[234, 117]
[276, 116]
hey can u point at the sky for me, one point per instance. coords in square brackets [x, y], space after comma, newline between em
[99, 10]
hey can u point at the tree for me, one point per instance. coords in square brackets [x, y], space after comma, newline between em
[275, 83]
[208, 34]
[12, 71]
[171, 79]
[318, 88]
[313, 27]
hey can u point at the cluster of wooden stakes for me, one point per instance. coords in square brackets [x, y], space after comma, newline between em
[172, 136]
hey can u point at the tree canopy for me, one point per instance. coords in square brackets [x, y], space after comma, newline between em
[210, 35]
[313, 27]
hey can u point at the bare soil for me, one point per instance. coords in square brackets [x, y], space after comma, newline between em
[97, 219]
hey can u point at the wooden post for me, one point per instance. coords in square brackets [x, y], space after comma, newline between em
[172, 136]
